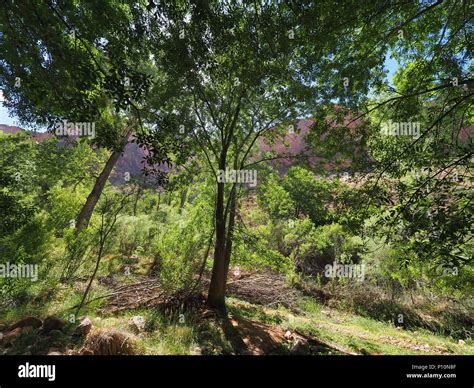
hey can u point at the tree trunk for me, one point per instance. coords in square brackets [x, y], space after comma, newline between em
[137, 197]
[222, 255]
[96, 268]
[159, 201]
[216, 295]
[184, 196]
[223, 246]
[88, 208]
[230, 230]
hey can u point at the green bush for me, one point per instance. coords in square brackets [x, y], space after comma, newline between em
[134, 234]
[312, 248]
[180, 245]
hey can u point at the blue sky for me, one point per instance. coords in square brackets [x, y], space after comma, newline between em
[390, 64]
[4, 118]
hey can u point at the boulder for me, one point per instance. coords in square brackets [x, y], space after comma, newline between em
[300, 347]
[27, 322]
[52, 323]
[137, 324]
[11, 336]
[83, 328]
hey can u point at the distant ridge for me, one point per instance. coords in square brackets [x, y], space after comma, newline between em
[133, 158]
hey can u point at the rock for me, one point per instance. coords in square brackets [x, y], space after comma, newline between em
[300, 347]
[27, 322]
[461, 342]
[83, 328]
[52, 323]
[288, 335]
[54, 353]
[237, 273]
[11, 336]
[137, 324]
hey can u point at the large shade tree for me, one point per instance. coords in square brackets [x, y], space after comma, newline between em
[212, 77]
[243, 71]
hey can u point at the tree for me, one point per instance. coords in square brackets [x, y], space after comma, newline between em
[17, 182]
[109, 212]
[80, 62]
[242, 72]
[416, 132]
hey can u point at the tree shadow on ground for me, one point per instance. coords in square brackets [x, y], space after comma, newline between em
[248, 337]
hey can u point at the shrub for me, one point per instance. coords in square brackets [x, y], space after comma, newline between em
[134, 234]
